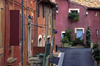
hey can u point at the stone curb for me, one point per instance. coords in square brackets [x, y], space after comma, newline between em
[61, 57]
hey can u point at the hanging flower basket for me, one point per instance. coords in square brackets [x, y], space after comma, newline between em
[73, 16]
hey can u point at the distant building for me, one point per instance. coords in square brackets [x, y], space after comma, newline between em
[89, 15]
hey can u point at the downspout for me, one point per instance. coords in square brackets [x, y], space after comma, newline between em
[52, 30]
[5, 37]
[22, 30]
[37, 22]
[46, 24]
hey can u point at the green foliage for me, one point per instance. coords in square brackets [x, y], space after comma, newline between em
[67, 36]
[73, 16]
[97, 59]
[88, 37]
[64, 40]
[95, 45]
[96, 52]
[41, 55]
[78, 41]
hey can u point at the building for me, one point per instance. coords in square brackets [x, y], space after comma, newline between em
[34, 35]
[88, 12]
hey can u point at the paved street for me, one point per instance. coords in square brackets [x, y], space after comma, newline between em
[77, 57]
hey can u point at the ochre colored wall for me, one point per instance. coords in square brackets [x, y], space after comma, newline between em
[41, 22]
[15, 51]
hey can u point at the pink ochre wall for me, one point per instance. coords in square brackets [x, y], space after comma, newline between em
[61, 20]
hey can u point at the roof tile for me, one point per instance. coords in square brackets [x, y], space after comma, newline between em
[88, 3]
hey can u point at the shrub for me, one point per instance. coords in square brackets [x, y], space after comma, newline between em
[96, 52]
[78, 41]
[67, 37]
[88, 37]
[95, 45]
[97, 59]
[73, 17]
[64, 40]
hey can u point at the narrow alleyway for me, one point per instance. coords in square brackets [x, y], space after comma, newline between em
[77, 57]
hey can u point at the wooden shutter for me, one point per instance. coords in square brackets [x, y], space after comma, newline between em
[14, 27]
[20, 27]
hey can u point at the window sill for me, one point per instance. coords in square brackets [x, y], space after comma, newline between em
[1, 51]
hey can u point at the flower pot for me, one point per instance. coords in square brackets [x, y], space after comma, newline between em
[95, 64]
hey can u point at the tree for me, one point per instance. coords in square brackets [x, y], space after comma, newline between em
[68, 34]
[67, 37]
[88, 37]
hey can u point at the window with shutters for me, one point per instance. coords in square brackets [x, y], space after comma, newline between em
[15, 28]
[1, 29]
[38, 10]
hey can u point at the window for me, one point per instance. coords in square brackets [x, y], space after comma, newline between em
[74, 10]
[1, 29]
[95, 13]
[43, 6]
[96, 32]
[38, 10]
[63, 34]
[15, 28]
[80, 33]
[40, 41]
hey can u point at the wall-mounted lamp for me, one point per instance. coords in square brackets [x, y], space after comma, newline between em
[57, 8]
[86, 13]
[54, 31]
[29, 19]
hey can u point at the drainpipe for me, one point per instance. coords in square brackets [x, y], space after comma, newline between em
[52, 31]
[37, 22]
[22, 28]
[46, 26]
[5, 37]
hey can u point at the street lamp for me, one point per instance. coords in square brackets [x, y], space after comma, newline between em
[29, 35]
[29, 19]
[54, 31]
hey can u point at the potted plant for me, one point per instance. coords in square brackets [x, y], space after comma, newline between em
[73, 16]
[96, 53]
[95, 45]
[97, 59]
